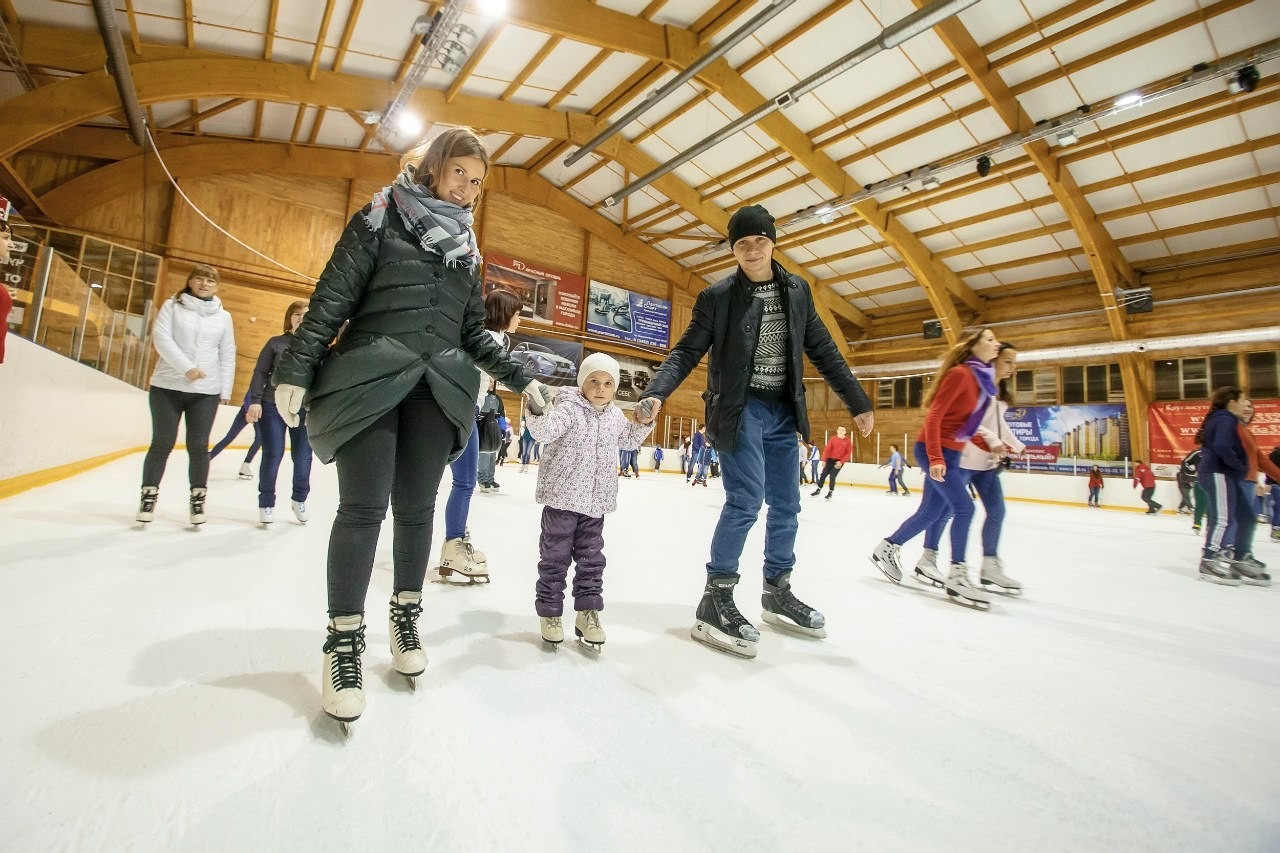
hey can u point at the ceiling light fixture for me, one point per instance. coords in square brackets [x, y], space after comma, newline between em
[1133, 99]
[930, 182]
[1245, 80]
[1067, 137]
[492, 8]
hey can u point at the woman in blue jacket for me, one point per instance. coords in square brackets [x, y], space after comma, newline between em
[1223, 466]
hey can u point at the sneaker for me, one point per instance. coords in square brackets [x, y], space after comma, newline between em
[815, 492]
[887, 558]
[299, 511]
[1196, 528]
[147, 506]
[246, 471]
[783, 610]
[197, 505]
[828, 497]
[266, 514]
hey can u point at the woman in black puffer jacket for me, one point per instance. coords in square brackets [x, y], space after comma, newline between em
[394, 401]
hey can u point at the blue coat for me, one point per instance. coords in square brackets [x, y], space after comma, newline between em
[1221, 450]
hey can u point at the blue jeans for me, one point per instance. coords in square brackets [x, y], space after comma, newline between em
[759, 470]
[237, 426]
[465, 472]
[271, 427]
[991, 492]
[951, 495]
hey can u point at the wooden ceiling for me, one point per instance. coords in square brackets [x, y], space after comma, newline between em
[1188, 181]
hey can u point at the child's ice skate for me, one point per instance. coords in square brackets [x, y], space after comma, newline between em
[926, 570]
[588, 630]
[552, 630]
[407, 655]
[783, 610]
[459, 557]
[719, 622]
[342, 693]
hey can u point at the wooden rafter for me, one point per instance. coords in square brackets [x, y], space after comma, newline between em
[530, 67]
[132, 16]
[348, 31]
[476, 57]
[320, 38]
[221, 108]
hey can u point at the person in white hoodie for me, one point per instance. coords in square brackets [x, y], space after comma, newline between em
[578, 485]
[196, 369]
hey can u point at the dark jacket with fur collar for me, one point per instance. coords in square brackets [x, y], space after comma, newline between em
[726, 322]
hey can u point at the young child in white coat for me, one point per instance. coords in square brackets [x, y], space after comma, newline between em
[577, 485]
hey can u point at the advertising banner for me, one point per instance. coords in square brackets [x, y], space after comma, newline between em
[1171, 427]
[1064, 438]
[628, 316]
[551, 297]
[551, 360]
[634, 375]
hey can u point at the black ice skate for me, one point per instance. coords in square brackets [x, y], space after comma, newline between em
[1216, 567]
[1251, 570]
[783, 610]
[719, 623]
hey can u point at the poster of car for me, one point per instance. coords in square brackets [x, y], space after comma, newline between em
[550, 360]
[634, 375]
[551, 297]
[628, 316]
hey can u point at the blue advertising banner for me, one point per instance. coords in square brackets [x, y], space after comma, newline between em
[628, 316]
[1066, 438]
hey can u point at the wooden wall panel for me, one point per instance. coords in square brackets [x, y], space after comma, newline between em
[525, 231]
[42, 172]
[134, 219]
[611, 266]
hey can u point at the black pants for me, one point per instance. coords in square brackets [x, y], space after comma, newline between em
[831, 470]
[1152, 506]
[167, 408]
[398, 458]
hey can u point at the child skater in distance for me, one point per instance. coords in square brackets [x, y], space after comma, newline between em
[577, 485]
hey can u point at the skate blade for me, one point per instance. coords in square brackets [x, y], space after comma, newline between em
[1220, 581]
[784, 624]
[1008, 592]
[591, 647]
[708, 636]
[921, 577]
[554, 645]
[970, 601]
[1249, 582]
[885, 569]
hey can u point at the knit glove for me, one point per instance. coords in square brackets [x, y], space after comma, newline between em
[538, 395]
[289, 402]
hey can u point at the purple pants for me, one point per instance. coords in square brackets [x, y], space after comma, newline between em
[569, 537]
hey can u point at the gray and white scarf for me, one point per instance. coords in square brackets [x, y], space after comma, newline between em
[442, 227]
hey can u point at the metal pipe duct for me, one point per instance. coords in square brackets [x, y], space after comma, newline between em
[655, 97]
[891, 36]
[1267, 334]
[118, 67]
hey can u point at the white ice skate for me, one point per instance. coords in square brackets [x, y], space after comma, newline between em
[887, 557]
[588, 630]
[266, 515]
[342, 691]
[407, 655]
[962, 592]
[147, 506]
[299, 511]
[926, 571]
[246, 471]
[197, 506]
[552, 630]
[459, 557]
[993, 578]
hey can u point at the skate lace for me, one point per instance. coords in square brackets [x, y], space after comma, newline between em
[790, 605]
[149, 502]
[346, 646]
[592, 619]
[405, 619]
[728, 610]
[197, 503]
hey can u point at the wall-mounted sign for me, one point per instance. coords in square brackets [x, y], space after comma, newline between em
[1171, 427]
[551, 297]
[1064, 438]
[634, 375]
[628, 316]
[550, 360]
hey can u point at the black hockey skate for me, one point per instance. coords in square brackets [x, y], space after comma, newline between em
[1217, 567]
[1251, 570]
[783, 610]
[720, 624]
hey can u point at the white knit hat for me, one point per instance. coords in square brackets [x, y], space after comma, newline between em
[598, 362]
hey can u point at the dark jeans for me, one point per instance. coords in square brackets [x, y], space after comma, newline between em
[1202, 502]
[457, 508]
[272, 429]
[1152, 506]
[1094, 493]
[952, 494]
[758, 471]
[829, 469]
[167, 408]
[569, 537]
[398, 458]
[1231, 521]
[1184, 489]
[895, 480]
[237, 427]
[990, 490]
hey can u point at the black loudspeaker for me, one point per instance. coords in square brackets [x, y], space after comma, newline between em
[1136, 301]
[932, 329]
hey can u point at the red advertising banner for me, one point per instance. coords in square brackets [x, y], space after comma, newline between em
[1171, 428]
[550, 296]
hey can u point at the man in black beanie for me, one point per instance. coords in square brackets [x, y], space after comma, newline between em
[758, 324]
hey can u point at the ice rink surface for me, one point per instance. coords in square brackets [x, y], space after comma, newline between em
[161, 689]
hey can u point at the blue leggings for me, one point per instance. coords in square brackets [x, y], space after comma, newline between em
[991, 492]
[952, 494]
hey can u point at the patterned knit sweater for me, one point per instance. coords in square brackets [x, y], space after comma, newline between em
[769, 361]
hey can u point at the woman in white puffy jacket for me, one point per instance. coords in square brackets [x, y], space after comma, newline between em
[197, 366]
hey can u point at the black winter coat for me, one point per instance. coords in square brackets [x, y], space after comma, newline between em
[412, 318]
[726, 321]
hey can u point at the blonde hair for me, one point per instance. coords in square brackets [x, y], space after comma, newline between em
[424, 162]
[957, 354]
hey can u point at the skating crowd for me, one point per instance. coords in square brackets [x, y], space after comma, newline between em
[391, 372]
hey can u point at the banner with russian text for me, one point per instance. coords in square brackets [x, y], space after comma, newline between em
[1065, 438]
[1171, 427]
[551, 297]
[627, 315]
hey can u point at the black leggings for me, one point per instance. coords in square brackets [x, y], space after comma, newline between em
[167, 407]
[829, 470]
[398, 458]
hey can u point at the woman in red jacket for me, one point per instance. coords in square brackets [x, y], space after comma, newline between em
[835, 454]
[963, 390]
